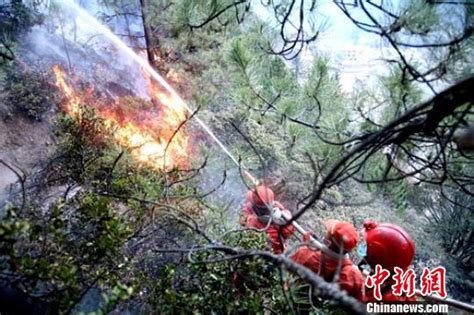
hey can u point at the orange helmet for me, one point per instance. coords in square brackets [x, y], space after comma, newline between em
[388, 245]
[262, 196]
[342, 234]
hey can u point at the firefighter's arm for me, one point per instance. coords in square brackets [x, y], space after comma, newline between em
[246, 212]
[287, 231]
[301, 255]
[277, 243]
[352, 281]
[308, 257]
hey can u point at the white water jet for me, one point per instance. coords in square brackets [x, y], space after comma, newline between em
[93, 23]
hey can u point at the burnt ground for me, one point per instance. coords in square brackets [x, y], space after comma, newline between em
[24, 144]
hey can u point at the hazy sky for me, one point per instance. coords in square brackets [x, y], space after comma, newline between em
[355, 53]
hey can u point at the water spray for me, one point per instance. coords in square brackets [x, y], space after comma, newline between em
[155, 75]
[158, 78]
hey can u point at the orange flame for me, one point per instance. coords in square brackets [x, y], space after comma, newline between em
[156, 137]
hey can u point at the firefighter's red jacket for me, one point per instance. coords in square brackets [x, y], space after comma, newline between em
[276, 234]
[350, 277]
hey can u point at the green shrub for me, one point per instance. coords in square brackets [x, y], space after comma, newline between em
[29, 93]
[207, 285]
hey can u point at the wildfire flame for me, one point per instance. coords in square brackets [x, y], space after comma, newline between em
[156, 137]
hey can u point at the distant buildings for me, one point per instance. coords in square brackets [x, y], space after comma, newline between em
[356, 65]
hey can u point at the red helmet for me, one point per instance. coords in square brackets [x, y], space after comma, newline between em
[388, 245]
[262, 197]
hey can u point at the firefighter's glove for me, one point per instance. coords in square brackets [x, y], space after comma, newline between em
[307, 236]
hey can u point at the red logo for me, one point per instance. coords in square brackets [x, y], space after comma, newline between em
[404, 282]
[433, 281]
[376, 280]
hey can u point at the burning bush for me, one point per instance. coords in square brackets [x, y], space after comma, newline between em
[153, 131]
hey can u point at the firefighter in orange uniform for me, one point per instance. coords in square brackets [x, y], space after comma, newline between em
[389, 246]
[341, 237]
[257, 212]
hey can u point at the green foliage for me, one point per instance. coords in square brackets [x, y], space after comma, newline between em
[400, 95]
[16, 18]
[323, 96]
[90, 230]
[453, 224]
[205, 286]
[393, 95]
[396, 192]
[419, 18]
[239, 55]
[278, 103]
[196, 13]
[28, 92]
[233, 77]
[63, 249]
[451, 220]
[83, 140]
[105, 231]
[11, 229]
[88, 155]
[60, 253]
[119, 293]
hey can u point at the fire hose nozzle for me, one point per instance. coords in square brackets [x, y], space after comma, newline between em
[276, 213]
[277, 216]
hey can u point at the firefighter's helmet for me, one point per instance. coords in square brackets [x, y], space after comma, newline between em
[262, 197]
[388, 245]
[342, 234]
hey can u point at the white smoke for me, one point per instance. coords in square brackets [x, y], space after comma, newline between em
[70, 40]
[74, 40]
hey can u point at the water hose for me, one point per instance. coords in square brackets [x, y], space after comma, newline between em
[277, 214]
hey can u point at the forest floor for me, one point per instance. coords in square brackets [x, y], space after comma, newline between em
[24, 143]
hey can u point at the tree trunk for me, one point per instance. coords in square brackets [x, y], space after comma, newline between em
[150, 43]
